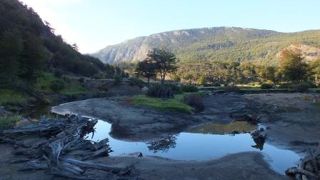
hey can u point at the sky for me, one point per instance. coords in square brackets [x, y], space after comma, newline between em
[94, 24]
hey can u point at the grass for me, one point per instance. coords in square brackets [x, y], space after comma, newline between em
[71, 88]
[7, 122]
[174, 104]
[44, 81]
[8, 96]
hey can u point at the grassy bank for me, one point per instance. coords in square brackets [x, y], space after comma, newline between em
[8, 96]
[174, 104]
[48, 83]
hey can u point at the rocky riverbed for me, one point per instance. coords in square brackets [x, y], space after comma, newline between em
[290, 121]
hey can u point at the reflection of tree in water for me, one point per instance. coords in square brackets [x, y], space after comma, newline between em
[163, 144]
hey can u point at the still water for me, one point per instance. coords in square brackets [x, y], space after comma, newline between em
[197, 146]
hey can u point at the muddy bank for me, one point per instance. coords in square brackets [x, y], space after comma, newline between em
[133, 122]
[15, 158]
[233, 167]
[293, 120]
[139, 123]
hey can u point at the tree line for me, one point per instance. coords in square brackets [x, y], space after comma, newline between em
[290, 68]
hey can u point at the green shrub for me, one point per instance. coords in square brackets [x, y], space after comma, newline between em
[195, 101]
[174, 87]
[298, 87]
[82, 80]
[117, 80]
[285, 86]
[160, 91]
[266, 86]
[58, 73]
[8, 96]
[136, 82]
[57, 85]
[302, 87]
[189, 88]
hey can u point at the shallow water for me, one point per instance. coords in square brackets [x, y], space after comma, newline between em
[197, 146]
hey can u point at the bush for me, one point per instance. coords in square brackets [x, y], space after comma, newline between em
[285, 86]
[302, 87]
[195, 101]
[136, 82]
[231, 89]
[174, 87]
[266, 86]
[58, 73]
[82, 80]
[159, 91]
[117, 80]
[8, 96]
[57, 85]
[299, 87]
[189, 88]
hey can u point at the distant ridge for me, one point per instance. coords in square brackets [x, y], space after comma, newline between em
[210, 44]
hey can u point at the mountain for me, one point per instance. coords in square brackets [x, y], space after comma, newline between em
[29, 46]
[210, 44]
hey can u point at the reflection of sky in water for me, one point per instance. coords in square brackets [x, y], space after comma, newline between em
[193, 146]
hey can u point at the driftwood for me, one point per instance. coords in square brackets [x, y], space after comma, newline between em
[63, 151]
[259, 137]
[309, 167]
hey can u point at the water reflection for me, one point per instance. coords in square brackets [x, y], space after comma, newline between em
[198, 146]
[162, 144]
[234, 127]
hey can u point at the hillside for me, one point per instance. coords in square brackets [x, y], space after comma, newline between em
[210, 44]
[28, 47]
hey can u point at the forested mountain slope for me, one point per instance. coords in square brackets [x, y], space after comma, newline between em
[211, 44]
[28, 46]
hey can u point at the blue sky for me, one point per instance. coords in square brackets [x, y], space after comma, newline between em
[93, 24]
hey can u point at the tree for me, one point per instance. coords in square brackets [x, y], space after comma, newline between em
[33, 58]
[292, 66]
[11, 47]
[316, 71]
[165, 62]
[147, 68]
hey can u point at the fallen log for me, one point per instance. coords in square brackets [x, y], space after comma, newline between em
[294, 170]
[90, 165]
[308, 167]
